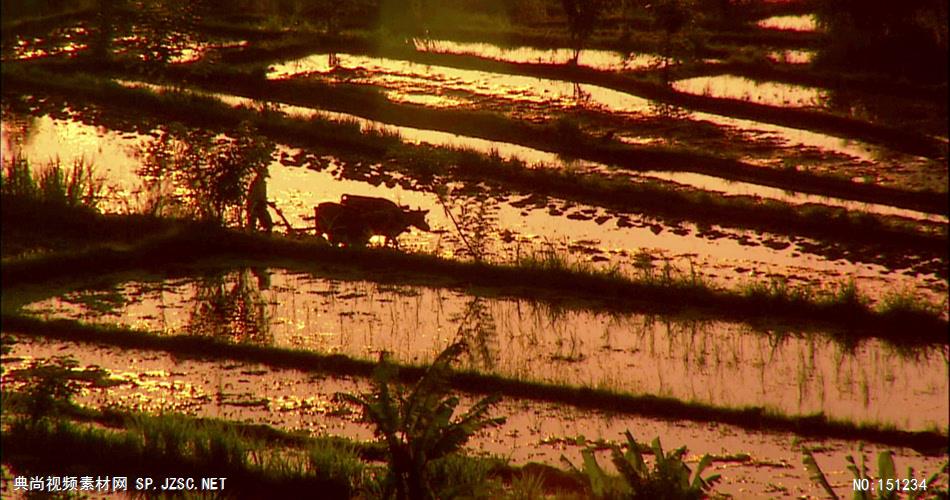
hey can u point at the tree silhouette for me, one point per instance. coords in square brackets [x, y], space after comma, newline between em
[582, 19]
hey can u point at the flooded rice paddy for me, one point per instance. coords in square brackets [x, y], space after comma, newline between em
[691, 359]
[543, 159]
[793, 23]
[606, 60]
[525, 224]
[62, 42]
[792, 56]
[77, 39]
[746, 89]
[540, 99]
[753, 464]
[444, 87]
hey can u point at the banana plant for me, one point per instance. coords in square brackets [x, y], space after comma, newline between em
[417, 426]
[669, 479]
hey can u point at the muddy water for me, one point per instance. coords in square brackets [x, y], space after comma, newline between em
[524, 226]
[746, 89]
[688, 359]
[598, 59]
[538, 432]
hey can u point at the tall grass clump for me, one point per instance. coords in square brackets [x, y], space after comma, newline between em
[551, 260]
[779, 292]
[16, 179]
[842, 298]
[172, 441]
[666, 275]
[417, 427]
[176, 445]
[847, 296]
[338, 463]
[906, 304]
[547, 259]
[66, 186]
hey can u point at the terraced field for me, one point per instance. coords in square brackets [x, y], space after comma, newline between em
[712, 233]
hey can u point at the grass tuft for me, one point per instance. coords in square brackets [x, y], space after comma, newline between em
[71, 187]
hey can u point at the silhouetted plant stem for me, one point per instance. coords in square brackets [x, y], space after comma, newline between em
[476, 255]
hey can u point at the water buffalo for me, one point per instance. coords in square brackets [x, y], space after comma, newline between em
[357, 218]
[342, 225]
[384, 217]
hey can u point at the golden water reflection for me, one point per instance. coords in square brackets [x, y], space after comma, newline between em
[70, 40]
[67, 40]
[679, 357]
[606, 60]
[746, 89]
[443, 87]
[792, 56]
[541, 159]
[534, 431]
[583, 233]
[402, 77]
[806, 22]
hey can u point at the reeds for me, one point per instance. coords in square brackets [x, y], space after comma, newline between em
[54, 184]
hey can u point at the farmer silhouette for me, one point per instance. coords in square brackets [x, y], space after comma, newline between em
[257, 202]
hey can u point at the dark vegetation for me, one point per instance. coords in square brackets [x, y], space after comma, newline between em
[417, 426]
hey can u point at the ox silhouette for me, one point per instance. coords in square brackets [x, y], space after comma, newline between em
[356, 219]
